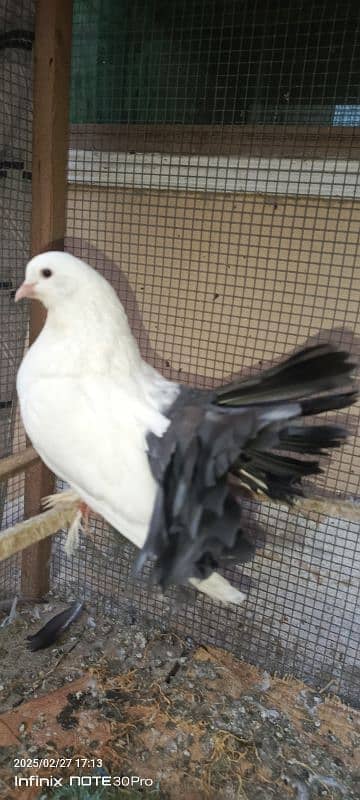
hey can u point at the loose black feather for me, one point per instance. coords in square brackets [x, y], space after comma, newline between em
[247, 429]
[53, 629]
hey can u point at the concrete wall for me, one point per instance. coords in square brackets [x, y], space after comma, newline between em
[219, 283]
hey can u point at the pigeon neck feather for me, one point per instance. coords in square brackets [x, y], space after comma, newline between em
[96, 338]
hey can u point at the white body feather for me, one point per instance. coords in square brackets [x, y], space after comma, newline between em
[88, 401]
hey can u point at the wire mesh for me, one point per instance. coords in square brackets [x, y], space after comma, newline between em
[214, 180]
[16, 37]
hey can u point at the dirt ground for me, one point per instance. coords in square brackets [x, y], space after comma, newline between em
[193, 721]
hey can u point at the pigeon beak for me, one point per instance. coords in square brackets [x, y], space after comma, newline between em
[25, 290]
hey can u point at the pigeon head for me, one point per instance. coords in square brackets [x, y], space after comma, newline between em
[55, 277]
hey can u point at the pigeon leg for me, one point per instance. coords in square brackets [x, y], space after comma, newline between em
[85, 513]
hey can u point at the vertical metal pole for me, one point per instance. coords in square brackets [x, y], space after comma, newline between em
[52, 56]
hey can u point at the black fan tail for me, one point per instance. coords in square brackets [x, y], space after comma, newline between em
[252, 429]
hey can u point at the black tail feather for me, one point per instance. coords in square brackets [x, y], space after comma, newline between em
[320, 371]
[275, 475]
[312, 439]
[333, 402]
[312, 371]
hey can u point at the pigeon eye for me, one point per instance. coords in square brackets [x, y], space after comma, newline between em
[46, 273]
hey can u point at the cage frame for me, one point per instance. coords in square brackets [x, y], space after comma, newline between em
[51, 93]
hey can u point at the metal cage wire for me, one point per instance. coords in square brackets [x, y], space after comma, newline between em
[17, 33]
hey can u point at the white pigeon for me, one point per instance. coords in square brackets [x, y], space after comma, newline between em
[159, 461]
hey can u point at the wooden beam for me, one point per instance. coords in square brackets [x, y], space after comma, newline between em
[52, 54]
[64, 507]
[18, 462]
[265, 141]
[34, 530]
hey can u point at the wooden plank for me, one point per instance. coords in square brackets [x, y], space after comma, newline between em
[320, 177]
[52, 53]
[18, 462]
[287, 141]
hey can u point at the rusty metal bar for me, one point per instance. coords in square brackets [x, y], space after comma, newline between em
[52, 55]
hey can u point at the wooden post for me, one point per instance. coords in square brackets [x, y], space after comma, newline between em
[52, 56]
